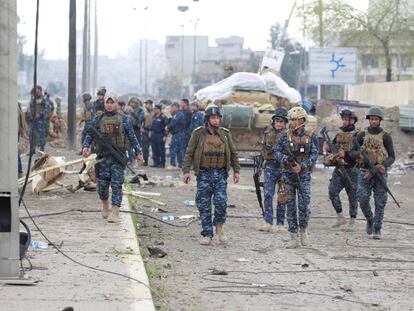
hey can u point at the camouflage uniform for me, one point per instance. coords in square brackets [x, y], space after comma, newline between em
[157, 139]
[146, 126]
[211, 155]
[305, 150]
[272, 175]
[344, 140]
[117, 129]
[39, 124]
[176, 128]
[87, 116]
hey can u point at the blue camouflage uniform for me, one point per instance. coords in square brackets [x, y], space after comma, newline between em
[157, 139]
[379, 146]
[87, 116]
[197, 119]
[137, 118]
[338, 182]
[176, 128]
[272, 175]
[304, 145]
[39, 124]
[211, 155]
[98, 105]
[187, 126]
[117, 129]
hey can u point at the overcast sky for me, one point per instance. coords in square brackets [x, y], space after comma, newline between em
[122, 22]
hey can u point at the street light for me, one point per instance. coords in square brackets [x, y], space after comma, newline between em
[195, 49]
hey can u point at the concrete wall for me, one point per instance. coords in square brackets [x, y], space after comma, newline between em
[387, 94]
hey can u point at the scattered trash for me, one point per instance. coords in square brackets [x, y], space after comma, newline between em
[156, 252]
[214, 271]
[347, 289]
[231, 205]
[39, 245]
[168, 218]
[397, 183]
[375, 273]
[260, 285]
[242, 260]
[187, 217]
[189, 203]
[305, 265]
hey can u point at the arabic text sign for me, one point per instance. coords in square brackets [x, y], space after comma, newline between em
[335, 66]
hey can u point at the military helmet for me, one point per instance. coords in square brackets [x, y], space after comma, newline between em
[148, 101]
[175, 104]
[134, 102]
[280, 113]
[112, 96]
[345, 113]
[212, 110]
[58, 99]
[195, 103]
[297, 113]
[375, 111]
[86, 96]
[101, 91]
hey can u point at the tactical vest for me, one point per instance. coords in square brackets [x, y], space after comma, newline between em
[344, 140]
[87, 112]
[271, 138]
[213, 155]
[300, 145]
[112, 129]
[374, 146]
[39, 105]
[148, 118]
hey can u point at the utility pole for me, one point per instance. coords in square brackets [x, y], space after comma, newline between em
[95, 52]
[85, 48]
[72, 77]
[9, 211]
[195, 50]
[146, 54]
[321, 88]
[88, 54]
[140, 67]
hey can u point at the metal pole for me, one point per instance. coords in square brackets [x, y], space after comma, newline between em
[95, 52]
[195, 49]
[9, 211]
[140, 67]
[182, 61]
[146, 53]
[72, 77]
[85, 48]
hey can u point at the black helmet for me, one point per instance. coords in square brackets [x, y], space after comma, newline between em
[148, 101]
[101, 91]
[212, 110]
[345, 113]
[280, 113]
[86, 96]
[158, 106]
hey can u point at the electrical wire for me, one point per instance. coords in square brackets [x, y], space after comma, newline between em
[90, 267]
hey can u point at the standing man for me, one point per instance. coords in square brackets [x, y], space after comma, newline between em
[211, 151]
[380, 150]
[87, 114]
[197, 118]
[145, 129]
[40, 112]
[185, 107]
[58, 102]
[98, 104]
[157, 136]
[297, 151]
[136, 114]
[339, 181]
[21, 132]
[273, 171]
[176, 128]
[117, 129]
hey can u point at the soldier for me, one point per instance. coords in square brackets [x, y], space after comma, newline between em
[297, 151]
[184, 106]
[87, 114]
[273, 172]
[380, 149]
[344, 143]
[145, 129]
[136, 114]
[211, 151]
[176, 128]
[157, 136]
[20, 133]
[197, 118]
[40, 112]
[58, 102]
[98, 104]
[117, 129]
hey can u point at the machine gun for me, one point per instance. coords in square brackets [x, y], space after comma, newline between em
[374, 171]
[256, 178]
[334, 151]
[114, 152]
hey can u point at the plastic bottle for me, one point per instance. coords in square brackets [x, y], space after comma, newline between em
[39, 244]
[189, 203]
[168, 218]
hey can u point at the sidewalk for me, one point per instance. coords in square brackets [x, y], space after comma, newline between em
[89, 239]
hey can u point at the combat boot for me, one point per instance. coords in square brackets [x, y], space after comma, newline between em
[280, 229]
[220, 233]
[303, 237]
[351, 225]
[266, 228]
[205, 240]
[340, 220]
[377, 234]
[368, 228]
[114, 217]
[105, 209]
[293, 243]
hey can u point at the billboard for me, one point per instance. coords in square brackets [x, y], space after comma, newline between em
[333, 66]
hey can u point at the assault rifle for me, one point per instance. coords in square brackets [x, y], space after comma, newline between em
[334, 151]
[114, 152]
[374, 171]
[292, 159]
[256, 178]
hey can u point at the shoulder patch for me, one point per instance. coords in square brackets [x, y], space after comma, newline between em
[224, 129]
